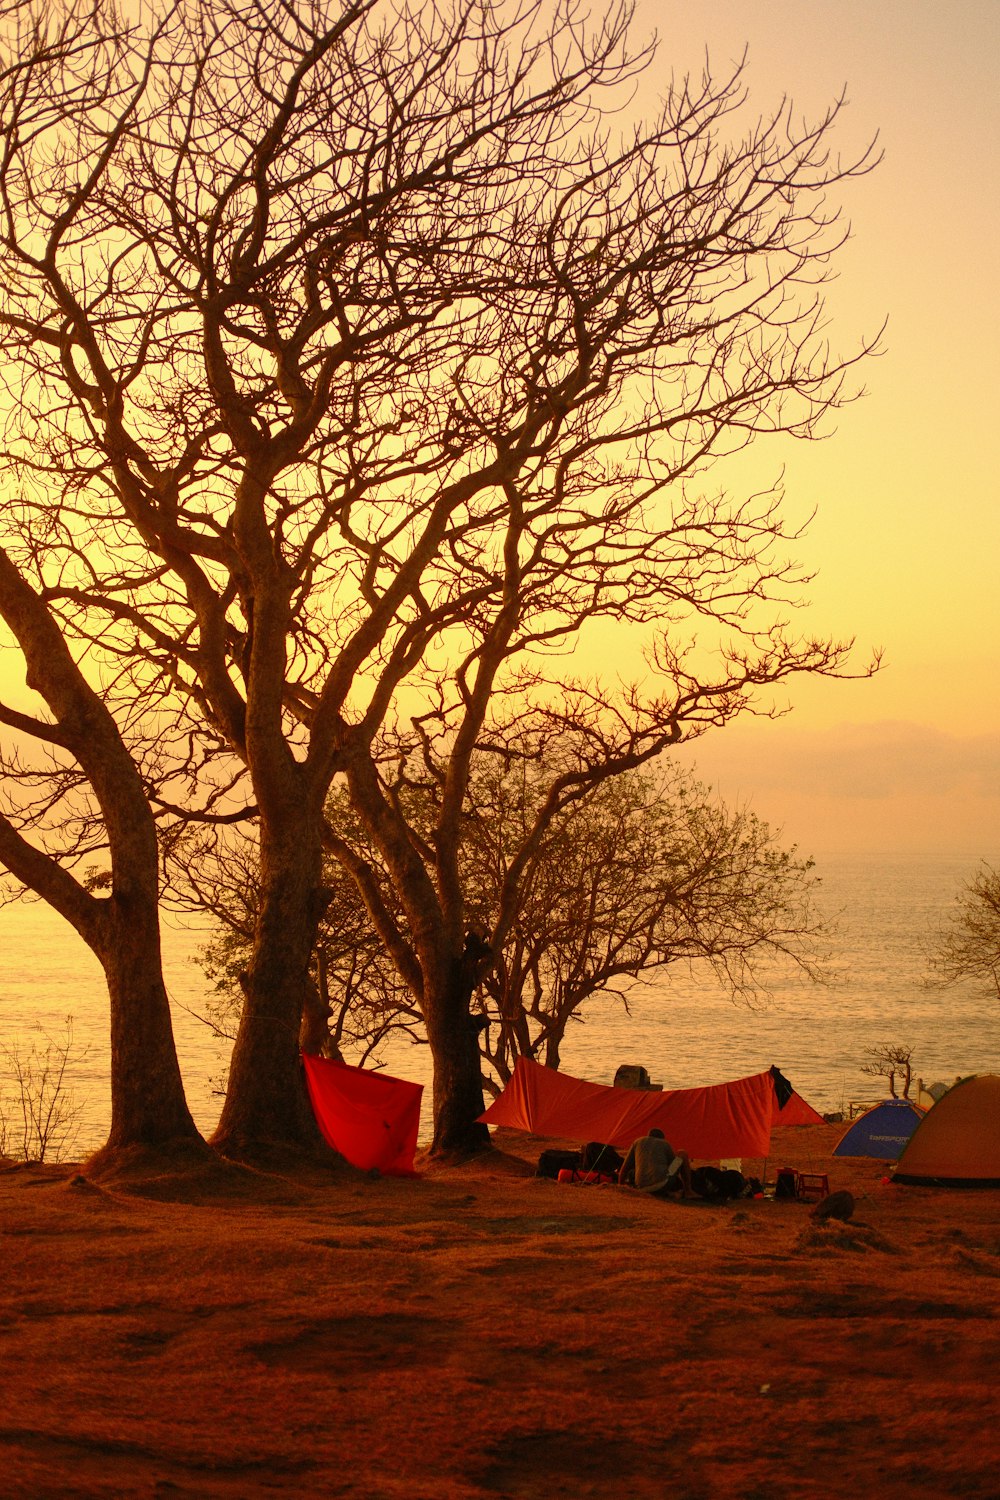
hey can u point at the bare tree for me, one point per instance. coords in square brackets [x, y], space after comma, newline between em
[360, 364]
[645, 873]
[88, 761]
[888, 1060]
[43, 1121]
[968, 947]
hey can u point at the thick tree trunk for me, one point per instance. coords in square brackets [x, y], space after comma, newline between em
[453, 1034]
[148, 1106]
[266, 1103]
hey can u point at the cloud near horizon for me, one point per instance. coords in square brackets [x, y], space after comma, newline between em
[885, 785]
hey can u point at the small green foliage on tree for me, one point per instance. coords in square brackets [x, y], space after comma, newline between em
[356, 1000]
[646, 872]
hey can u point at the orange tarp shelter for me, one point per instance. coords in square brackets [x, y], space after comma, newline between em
[724, 1119]
[795, 1111]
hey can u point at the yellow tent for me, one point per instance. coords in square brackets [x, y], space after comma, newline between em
[957, 1143]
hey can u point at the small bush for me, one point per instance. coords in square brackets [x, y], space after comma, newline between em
[39, 1119]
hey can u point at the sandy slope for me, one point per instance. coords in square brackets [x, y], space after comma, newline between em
[480, 1332]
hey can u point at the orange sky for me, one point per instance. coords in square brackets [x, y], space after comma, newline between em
[907, 538]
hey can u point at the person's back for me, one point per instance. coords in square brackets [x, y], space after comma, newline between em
[653, 1166]
[647, 1165]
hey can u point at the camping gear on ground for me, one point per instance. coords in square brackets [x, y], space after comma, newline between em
[809, 1187]
[579, 1178]
[724, 1119]
[882, 1132]
[554, 1161]
[786, 1183]
[370, 1118]
[724, 1184]
[957, 1143]
[597, 1156]
[719, 1184]
[813, 1186]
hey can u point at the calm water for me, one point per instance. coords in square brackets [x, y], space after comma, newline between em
[682, 1027]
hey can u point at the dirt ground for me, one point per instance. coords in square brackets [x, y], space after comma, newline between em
[482, 1332]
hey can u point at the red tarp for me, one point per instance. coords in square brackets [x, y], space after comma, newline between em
[727, 1119]
[370, 1118]
[796, 1112]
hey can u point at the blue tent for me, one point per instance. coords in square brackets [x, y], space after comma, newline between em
[881, 1132]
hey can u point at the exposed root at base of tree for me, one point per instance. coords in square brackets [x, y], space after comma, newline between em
[160, 1170]
[279, 1156]
[184, 1153]
[455, 1156]
[267, 1172]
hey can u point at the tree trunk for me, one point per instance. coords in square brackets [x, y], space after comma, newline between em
[453, 1034]
[148, 1106]
[266, 1101]
[315, 1036]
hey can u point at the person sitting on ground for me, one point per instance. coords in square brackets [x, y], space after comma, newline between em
[649, 1165]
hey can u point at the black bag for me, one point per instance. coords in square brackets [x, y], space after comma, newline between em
[550, 1163]
[734, 1184]
[786, 1184]
[597, 1157]
[718, 1184]
[704, 1182]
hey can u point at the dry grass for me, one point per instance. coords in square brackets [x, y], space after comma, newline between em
[191, 1329]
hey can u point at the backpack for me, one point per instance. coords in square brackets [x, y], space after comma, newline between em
[718, 1184]
[595, 1156]
[786, 1183]
[552, 1162]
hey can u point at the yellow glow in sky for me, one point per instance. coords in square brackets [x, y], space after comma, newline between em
[907, 535]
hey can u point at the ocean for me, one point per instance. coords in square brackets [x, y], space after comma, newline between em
[680, 1025]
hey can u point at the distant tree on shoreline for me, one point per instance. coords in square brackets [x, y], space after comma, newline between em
[360, 358]
[646, 872]
[890, 1060]
[968, 947]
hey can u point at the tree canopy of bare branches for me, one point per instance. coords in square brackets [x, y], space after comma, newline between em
[358, 357]
[647, 872]
[890, 1060]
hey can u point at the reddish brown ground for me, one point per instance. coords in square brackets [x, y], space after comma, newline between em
[480, 1332]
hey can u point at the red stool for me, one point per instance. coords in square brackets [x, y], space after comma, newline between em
[813, 1186]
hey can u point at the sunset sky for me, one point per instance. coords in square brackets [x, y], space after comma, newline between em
[907, 537]
[907, 534]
